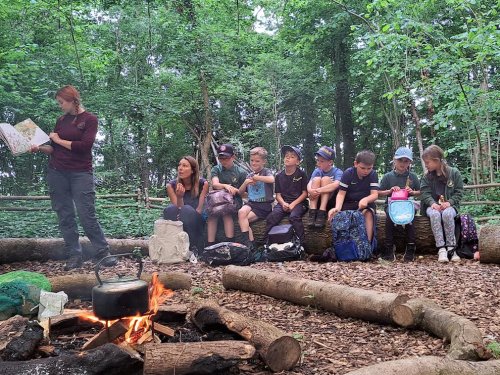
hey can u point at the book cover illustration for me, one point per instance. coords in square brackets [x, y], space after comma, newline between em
[22, 136]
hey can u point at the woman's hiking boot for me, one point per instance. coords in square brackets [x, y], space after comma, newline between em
[108, 262]
[74, 261]
[409, 253]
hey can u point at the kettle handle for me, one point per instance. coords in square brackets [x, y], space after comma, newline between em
[98, 265]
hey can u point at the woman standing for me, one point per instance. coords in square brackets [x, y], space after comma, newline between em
[187, 194]
[70, 177]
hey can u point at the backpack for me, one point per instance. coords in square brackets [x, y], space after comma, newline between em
[401, 212]
[349, 236]
[225, 253]
[283, 245]
[220, 203]
[466, 236]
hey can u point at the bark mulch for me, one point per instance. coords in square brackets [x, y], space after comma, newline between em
[333, 345]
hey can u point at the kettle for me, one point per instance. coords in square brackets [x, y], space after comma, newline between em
[120, 296]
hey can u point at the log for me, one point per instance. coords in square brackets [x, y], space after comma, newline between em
[430, 365]
[22, 347]
[317, 240]
[466, 340]
[194, 357]
[80, 285]
[11, 328]
[342, 300]
[489, 244]
[43, 249]
[108, 359]
[277, 349]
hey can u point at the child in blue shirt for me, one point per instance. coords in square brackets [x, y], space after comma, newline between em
[323, 186]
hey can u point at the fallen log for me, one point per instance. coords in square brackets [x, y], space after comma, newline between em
[489, 244]
[23, 346]
[11, 328]
[108, 359]
[277, 349]
[80, 285]
[430, 366]
[466, 340]
[317, 240]
[194, 357]
[340, 299]
[43, 249]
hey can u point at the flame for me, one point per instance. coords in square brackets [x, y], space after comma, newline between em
[140, 324]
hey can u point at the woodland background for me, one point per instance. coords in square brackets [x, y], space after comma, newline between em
[167, 78]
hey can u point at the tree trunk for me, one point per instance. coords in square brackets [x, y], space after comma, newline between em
[489, 244]
[277, 349]
[108, 359]
[80, 285]
[194, 357]
[343, 108]
[418, 131]
[43, 249]
[317, 240]
[430, 366]
[466, 340]
[340, 299]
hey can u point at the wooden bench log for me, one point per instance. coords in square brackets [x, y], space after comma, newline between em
[466, 340]
[489, 244]
[80, 285]
[430, 366]
[317, 240]
[342, 300]
[43, 249]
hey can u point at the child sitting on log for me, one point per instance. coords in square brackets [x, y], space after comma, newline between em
[259, 186]
[228, 176]
[323, 186]
[359, 190]
[291, 192]
[400, 178]
[442, 189]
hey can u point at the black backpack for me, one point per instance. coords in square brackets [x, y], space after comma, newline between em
[283, 245]
[466, 236]
[224, 253]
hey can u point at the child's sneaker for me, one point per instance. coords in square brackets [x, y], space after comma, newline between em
[455, 257]
[409, 253]
[443, 255]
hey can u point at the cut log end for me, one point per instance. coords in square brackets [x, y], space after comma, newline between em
[404, 316]
[283, 354]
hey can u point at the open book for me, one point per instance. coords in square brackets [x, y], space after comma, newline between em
[22, 136]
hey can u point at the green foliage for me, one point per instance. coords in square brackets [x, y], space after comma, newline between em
[494, 347]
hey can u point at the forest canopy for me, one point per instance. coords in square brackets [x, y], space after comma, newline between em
[167, 78]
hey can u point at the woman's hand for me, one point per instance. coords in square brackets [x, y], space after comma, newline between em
[180, 190]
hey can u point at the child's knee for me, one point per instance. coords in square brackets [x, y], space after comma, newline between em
[326, 181]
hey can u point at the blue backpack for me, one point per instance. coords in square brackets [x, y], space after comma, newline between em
[349, 237]
[401, 212]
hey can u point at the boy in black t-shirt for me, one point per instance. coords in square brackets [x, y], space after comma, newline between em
[359, 190]
[291, 192]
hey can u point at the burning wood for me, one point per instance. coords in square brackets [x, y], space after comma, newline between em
[109, 334]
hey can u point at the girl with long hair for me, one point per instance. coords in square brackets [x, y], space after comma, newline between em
[442, 189]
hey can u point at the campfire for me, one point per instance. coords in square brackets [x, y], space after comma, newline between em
[140, 327]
